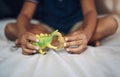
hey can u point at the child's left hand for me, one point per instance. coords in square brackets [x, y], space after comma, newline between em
[77, 39]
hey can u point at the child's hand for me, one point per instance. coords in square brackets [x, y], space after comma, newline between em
[77, 39]
[24, 42]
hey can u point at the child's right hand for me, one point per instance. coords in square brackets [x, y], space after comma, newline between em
[24, 42]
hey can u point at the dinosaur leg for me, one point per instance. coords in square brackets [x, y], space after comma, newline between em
[51, 46]
[42, 52]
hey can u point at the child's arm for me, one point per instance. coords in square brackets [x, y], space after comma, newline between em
[90, 17]
[82, 35]
[25, 16]
[26, 32]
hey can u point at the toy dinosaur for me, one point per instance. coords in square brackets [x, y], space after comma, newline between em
[45, 41]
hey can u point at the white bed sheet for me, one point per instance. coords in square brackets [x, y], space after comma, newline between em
[102, 61]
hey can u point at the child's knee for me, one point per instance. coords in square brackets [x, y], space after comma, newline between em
[110, 24]
[113, 24]
[10, 29]
[111, 20]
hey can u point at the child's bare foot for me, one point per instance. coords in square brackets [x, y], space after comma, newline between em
[97, 43]
[17, 43]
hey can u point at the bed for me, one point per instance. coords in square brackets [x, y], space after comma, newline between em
[102, 61]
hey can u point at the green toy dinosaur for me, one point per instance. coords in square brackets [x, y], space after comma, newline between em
[45, 41]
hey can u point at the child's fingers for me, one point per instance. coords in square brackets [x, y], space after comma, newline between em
[75, 37]
[73, 43]
[27, 51]
[32, 47]
[76, 50]
[32, 37]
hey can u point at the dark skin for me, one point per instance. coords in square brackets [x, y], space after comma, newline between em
[92, 29]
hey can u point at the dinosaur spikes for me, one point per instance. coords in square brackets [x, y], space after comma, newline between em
[37, 36]
[41, 34]
[46, 40]
[45, 34]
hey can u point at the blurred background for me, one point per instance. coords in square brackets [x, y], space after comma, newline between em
[11, 8]
[108, 6]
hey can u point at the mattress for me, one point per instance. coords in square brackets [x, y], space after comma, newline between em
[102, 61]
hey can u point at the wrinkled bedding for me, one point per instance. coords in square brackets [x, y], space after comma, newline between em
[102, 61]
